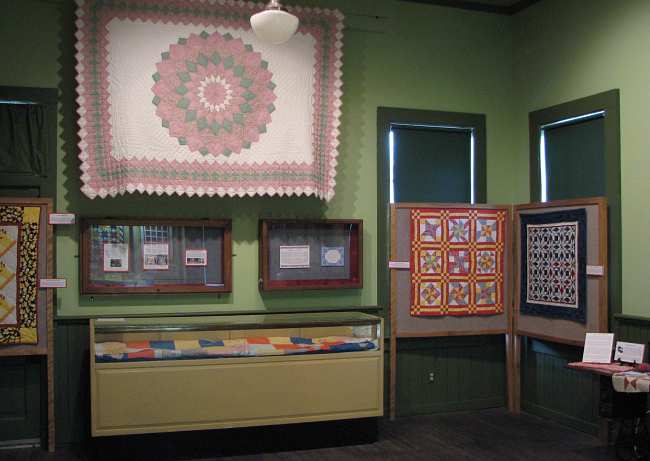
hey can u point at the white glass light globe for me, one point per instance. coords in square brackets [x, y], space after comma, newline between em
[274, 26]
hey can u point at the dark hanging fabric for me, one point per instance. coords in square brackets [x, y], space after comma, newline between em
[23, 139]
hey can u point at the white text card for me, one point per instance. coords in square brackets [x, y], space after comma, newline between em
[596, 270]
[294, 257]
[629, 352]
[598, 348]
[61, 219]
[399, 265]
[53, 283]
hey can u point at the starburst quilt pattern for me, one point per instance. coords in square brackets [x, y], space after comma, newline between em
[181, 97]
[457, 261]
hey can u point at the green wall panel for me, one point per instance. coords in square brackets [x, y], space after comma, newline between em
[468, 373]
[632, 329]
[72, 382]
[551, 390]
[21, 405]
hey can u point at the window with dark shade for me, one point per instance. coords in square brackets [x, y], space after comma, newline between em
[431, 164]
[575, 152]
[23, 138]
[573, 158]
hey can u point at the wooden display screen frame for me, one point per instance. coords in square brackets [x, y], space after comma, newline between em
[88, 288]
[600, 323]
[597, 310]
[446, 329]
[45, 346]
[355, 256]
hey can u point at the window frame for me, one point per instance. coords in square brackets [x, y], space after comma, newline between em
[609, 102]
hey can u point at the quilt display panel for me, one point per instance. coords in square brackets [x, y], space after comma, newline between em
[19, 233]
[181, 97]
[553, 264]
[457, 261]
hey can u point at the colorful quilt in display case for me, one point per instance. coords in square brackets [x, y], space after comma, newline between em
[181, 97]
[19, 232]
[241, 347]
[457, 261]
[553, 264]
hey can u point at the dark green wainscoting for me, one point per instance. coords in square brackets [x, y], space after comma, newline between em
[468, 373]
[550, 390]
[23, 388]
[632, 329]
[21, 406]
[72, 382]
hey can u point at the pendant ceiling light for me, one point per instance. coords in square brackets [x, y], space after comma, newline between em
[274, 25]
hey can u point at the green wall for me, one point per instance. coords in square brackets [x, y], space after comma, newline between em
[566, 49]
[413, 56]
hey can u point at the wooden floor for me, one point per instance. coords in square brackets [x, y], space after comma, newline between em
[484, 435]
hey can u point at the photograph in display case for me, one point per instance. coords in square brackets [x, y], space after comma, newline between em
[196, 257]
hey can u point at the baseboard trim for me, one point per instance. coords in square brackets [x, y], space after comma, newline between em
[564, 419]
[466, 405]
[22, 443]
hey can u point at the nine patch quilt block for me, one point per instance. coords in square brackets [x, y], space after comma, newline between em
[19, 233]
[181, 97]
[457, 261]
[553, 264]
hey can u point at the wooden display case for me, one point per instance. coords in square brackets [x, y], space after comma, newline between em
[310, 254]
[155, 256]
[147, 394]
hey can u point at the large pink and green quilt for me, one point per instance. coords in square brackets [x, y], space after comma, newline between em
[180, 97]
[457, 261]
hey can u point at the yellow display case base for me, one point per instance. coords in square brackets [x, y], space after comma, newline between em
[195, 394]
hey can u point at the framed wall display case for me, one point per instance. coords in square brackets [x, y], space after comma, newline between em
[155, 256]
[210, 372]
[311, 254]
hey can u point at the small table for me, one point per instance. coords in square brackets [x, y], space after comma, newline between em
[628, 407]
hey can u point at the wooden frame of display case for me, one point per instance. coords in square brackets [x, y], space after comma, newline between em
[355, 257]
[87, 287]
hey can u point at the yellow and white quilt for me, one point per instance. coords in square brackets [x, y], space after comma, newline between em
[19, 231]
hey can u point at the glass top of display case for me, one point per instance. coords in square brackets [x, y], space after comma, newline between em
[228, 322]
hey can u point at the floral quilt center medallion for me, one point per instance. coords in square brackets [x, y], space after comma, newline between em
[214, 93]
